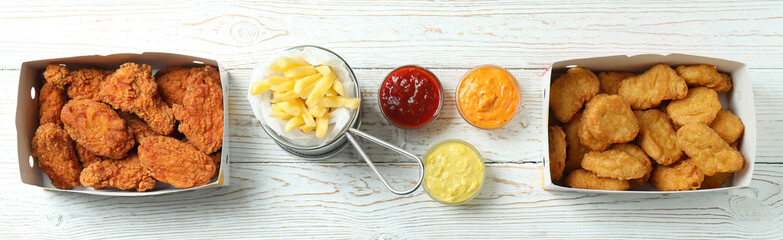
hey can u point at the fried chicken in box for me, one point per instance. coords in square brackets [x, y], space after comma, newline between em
[97, 127]
[56, 156]
[201, 113]
[132, 88]
[175, 162]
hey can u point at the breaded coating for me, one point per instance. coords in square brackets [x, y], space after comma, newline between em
[569, 92]
[127, 173]
[557, 152]
[56, 156]
[56, 75]
[172, 161]
[610, 118]
[699, 106]
[705, 75]
[615, 163]
[610, 81]
[728, 126]
[86, 157]
[50, 102]
[581, 178]
[132, 88]
[657, 136]
[707, 150]
[97, 127]
[574, 145]
[87, 83]
[589, 140]
[647, 90]
[172, 81]
[201, 113]
[715, 181]
[636, 152]
[680, 176]
[137, 127]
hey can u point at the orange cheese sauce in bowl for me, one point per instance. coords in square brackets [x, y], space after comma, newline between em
[488, 97]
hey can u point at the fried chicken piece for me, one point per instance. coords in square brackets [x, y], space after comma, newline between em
[137, 127]
[557, 152]
[707, 150]
[699, 106]
[201, 113]
[50, 102]
[127, 173]
[616, 163]
[574, 145]
[705, 75]
[680, 176]
[728, 126]
[610, 118]
[647, 90]
[86, 157]
[570, 91]
[97, 127]
[86, 83]
[56, 156]
[610, 81]
[715, 181]
[657, 136]
[132, 88]
[589, 140]
[172, 81]
[57, 75]
[581, 178]
[172, 161]
[636, 152]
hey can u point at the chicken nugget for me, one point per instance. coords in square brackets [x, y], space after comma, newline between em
[615, 163]
[728, 126]
[610, 118]
[126, 173]
[173, 161]
[574, 145]
[680, 176]
[581, 178]
[636, 152]
[557, 152]
[569, 92]
[715, 181]
[587, 138]
[86, 83]
[50, 102]
[707, 150]
[705, 75]
[699, 106]
[56, 156]
[610, 81]
[57, 75]
[657, 136]
[647, 90]
[97, 127]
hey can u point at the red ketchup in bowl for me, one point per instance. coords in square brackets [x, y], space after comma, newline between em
[410, 97]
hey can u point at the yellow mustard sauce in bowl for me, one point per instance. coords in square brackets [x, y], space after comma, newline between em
[454, 172]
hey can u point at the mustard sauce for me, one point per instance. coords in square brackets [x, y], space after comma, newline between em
[454, 172]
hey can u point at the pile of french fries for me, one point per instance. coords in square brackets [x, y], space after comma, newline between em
[304, 94]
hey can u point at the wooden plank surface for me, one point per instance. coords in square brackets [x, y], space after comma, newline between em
[275, 195]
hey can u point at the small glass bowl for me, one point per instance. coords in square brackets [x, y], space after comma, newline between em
[483, 171]
[437, 111]
[516, 85]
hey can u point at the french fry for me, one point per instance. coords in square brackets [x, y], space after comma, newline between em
[299, 72]
[305, 82]
[306, 91]
[317, 111]
[291, 107]
[284, 116]
[338, 87]
[278, 96]
[322, 124]
[306, 116]
[323, 69]
[321, 87]
[260, 87]
[283, 87]
[306, 129]
[277, 80]
[283, 64]
[293, 123]
[339, 101]
[331, 92]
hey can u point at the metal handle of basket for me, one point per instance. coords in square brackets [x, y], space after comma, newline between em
[389, 146]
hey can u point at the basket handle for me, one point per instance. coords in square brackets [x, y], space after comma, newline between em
[389, 146]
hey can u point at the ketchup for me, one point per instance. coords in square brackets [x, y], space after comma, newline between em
[410, 97]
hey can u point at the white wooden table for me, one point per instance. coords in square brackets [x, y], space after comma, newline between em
[275, 195]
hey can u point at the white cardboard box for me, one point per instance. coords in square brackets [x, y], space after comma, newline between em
[31, 81]
[739, 101]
